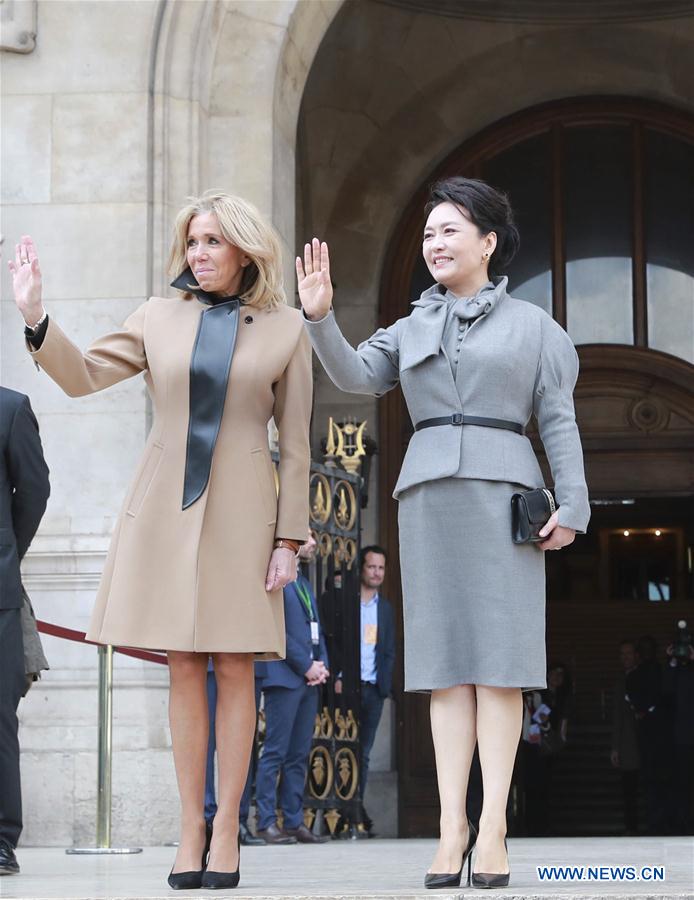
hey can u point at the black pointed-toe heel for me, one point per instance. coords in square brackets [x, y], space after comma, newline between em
[491, 879]
[185, 881]
[208, 841]
[190, 881]
[220, 880]
[447, 880]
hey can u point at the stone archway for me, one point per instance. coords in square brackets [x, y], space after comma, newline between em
[636, 420]
[220, 116]
[395, 87]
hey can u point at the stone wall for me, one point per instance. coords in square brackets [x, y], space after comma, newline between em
[122, 110]
[75, 176]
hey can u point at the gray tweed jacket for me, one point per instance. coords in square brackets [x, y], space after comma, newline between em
[515, 361]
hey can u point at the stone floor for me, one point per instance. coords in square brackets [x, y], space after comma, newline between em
[359, 869]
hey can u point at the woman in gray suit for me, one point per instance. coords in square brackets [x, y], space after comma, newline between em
[474, 364]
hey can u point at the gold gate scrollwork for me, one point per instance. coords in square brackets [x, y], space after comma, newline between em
[352, 727]
[325, 544]
[320, 772]
[320, 498]
[344, 505]
[339, 551]
[326, 724]
[332, 817]
[346, 773]
[346, 728]
[340, 726]
[350, 552]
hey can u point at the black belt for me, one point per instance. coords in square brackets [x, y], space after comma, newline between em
[460, 419]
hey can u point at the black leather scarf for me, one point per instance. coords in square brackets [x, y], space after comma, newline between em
[210, 363]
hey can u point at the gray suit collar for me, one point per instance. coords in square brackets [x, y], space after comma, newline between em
[428, 320]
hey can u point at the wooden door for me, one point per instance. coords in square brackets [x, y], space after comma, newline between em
[633, 401]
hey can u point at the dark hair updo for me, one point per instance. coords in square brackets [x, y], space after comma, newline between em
[485, 207]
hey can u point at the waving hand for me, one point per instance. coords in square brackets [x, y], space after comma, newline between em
[313, 274]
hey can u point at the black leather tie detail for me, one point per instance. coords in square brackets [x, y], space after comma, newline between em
[209, 375]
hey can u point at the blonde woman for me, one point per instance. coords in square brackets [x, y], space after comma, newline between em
[203, 545]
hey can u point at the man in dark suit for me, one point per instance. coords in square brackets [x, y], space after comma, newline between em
[24, 491]
[377, 656]
[291, 695]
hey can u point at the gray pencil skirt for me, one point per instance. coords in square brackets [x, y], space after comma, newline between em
[473, 601]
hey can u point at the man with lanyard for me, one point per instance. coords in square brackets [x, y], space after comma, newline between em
[377, 658]
[291, 695]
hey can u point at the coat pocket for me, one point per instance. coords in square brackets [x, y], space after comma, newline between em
[265, 475]
[149, 467]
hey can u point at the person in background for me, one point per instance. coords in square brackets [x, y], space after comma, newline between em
[678, 685]
[291, 691]
[624, 754]
[557, 700]
[535, 718]
[377, 658]
[645, 692]
[558, 696]
[24, 491]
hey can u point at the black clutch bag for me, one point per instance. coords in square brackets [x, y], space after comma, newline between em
[529, 513]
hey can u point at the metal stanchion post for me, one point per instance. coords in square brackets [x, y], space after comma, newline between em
[103, 801]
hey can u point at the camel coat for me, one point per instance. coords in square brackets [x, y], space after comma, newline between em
[194, 578]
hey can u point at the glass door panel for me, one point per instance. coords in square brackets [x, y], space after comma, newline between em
[599, 235]
[522, 173]
[670, 244]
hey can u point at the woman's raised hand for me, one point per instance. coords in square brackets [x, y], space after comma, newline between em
[26, 280]
[313, 274]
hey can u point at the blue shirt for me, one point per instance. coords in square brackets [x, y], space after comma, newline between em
[369, 616]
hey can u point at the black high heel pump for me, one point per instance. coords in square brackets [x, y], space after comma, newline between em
[491, 879]
[189, 881]
[222, 880]
[446, 880]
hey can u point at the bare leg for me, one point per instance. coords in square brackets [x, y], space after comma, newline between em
[499, 720]
[453, 729]
[189, 722]
[235, 726]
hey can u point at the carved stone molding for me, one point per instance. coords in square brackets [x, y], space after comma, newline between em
[63, 570]
[632, 389]
[18, 25]
[649, 414]
[565, 12]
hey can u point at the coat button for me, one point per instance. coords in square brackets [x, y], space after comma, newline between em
[248, 320]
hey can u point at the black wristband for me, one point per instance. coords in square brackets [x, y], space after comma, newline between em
[35, 337]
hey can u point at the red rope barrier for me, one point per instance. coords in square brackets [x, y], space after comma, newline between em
[69, 634]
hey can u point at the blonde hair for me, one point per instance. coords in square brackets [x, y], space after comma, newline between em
[244, 227]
